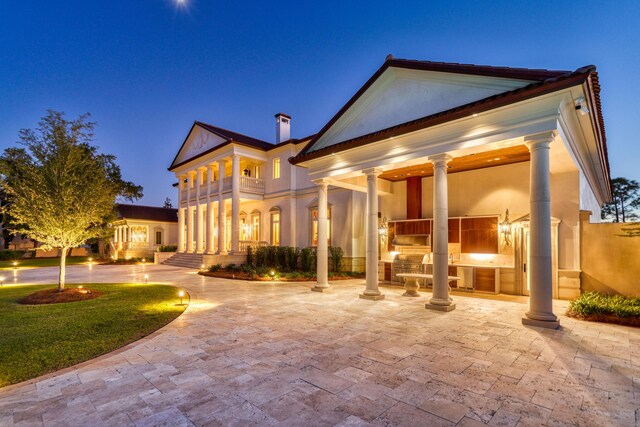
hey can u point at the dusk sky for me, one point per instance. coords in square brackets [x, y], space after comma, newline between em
[146, 69]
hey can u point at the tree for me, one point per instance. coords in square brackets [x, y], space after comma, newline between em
[61, 190]
[626, 199]
[167, 203]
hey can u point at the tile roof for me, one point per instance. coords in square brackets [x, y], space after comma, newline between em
[152, 213]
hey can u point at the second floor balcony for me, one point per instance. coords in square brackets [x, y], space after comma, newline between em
[248, 184]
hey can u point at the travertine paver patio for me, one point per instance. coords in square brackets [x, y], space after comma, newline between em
[267, 354]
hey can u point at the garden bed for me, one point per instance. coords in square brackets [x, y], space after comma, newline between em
[596, 307]
[53, 296]
[286, 277]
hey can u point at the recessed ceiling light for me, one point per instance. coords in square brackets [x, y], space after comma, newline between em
[475, 114]
[496, 159]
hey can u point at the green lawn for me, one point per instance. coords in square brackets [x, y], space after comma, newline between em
[35, 340]
[42, 262]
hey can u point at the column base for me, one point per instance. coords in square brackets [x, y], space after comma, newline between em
[222, 253]
[322, 289]
[549, 324]
[445, 308]
[378, 297]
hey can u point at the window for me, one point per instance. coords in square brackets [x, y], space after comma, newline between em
[255, 226]
[275, 227]
[244, 227]
[158, 237]
[314, 226]
[139, 234]
[276, 168]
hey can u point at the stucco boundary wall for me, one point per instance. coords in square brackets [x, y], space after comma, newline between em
[610, 261]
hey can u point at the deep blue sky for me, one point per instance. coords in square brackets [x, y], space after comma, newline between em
[145, 69]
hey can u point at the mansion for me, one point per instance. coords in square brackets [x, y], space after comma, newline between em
[475, 175]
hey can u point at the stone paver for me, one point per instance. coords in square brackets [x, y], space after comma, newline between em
[278, 354]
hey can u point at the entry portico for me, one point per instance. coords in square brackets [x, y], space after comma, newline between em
[425, 117]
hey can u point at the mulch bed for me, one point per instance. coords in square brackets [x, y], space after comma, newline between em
[245, 276]
[52, 296]
[607, 318]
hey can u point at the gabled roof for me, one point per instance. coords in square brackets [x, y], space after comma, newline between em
[151, 213]
[542, 82]
[230, 137]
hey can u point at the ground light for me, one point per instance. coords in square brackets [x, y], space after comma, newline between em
[146, 278]
[181, 295]
[15, 264]
[2, 281]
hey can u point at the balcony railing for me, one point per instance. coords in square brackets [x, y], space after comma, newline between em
[248, 184]
[244, 244]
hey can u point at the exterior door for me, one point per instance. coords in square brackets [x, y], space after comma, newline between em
[525, 256]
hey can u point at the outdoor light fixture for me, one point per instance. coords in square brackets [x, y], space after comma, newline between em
[146, 278]
[201, 266]
[1, 281]
[383, 230]
[15, 264]
[581, 106]
[272, 274]
[90, 259]
[505, 229]
[144, 260]
[181, 295]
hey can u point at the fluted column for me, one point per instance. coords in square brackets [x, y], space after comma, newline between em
[235, 204]
[180, 215]
[209, 227]
[540, 268]
[371, 291]
[440, 297]
[189, 214]
[322, 273]
[119, 237]
[222, 209]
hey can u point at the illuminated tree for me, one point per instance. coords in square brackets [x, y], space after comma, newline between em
[61, 190]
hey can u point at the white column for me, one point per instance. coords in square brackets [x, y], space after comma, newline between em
[235, 204]
[222, 211]
[322, 272]
[440, 297]
[180, 215]
[189, 214]
[540, 271]
[119, 231]
[180, 229]
[371, 291]
[199, 235]
[209, 227]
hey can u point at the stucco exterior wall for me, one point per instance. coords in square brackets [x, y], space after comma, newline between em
[609, 260]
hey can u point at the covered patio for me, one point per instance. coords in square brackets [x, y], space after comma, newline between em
[419, 122]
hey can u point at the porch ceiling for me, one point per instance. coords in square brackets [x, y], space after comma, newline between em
[486, 159]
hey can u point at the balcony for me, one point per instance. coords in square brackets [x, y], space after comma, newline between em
[247, 184]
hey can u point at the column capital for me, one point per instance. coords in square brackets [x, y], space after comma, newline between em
[235, 156]
[322, 182]
[440, 159]
[540, 140]
[372, 171]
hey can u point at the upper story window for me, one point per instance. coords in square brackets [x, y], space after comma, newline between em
[276, 168]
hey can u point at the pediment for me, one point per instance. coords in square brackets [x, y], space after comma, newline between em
[198, 141]
[401, 95]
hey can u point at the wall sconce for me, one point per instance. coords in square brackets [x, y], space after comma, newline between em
[505, 229]
[383, 231]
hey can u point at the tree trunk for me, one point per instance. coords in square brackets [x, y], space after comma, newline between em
[63, 260]
[622, 209]
[101, 248]
[615, 205]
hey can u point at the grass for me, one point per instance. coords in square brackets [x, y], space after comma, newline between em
[606, 308]
[42, 262]
[35, 340]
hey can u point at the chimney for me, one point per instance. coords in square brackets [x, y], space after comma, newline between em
[283, 127]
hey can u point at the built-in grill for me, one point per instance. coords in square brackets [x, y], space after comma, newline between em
[406, 263]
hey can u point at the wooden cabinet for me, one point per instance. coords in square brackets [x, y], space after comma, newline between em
[485, 279]
[391, 234]
[479, 235]
[403, 228]
[454, 230]
[453, 271]
[387, 271]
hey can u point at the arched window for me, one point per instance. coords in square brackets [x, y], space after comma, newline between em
[274, 215]
[313, 214]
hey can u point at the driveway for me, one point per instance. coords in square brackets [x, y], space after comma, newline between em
[270, 354]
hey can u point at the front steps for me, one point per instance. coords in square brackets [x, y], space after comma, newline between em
[193, 261]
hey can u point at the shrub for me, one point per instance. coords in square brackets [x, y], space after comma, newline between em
[271, 256]
[9, 255]
[281, 258]
[216, 267]
[232, 268]
[292, 258]
[308, 259]
[249, 255]
[594, 303]
[336, 254]
[169, 248]
[246, 268]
